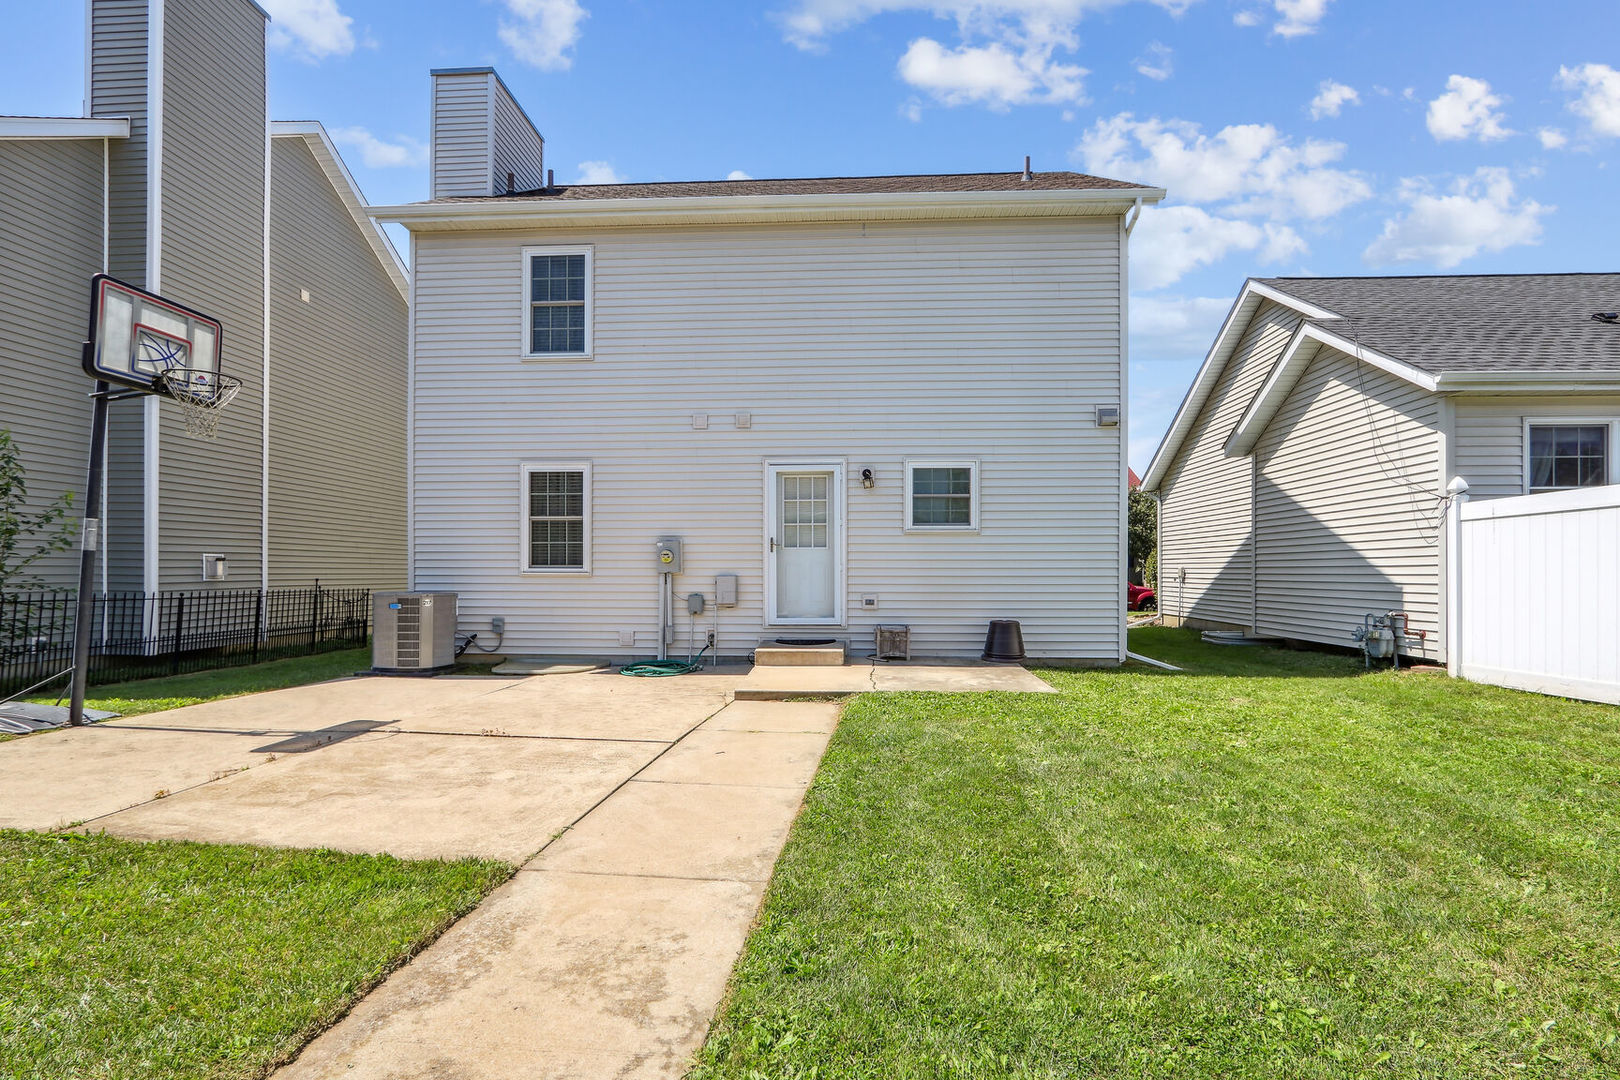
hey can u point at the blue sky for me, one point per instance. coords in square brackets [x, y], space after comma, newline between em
[1295, 136]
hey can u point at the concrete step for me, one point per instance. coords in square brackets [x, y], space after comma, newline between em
[772, 655]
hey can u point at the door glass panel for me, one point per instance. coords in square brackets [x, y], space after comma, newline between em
[804, 511]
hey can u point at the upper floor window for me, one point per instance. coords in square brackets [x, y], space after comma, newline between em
[1568, 454]
[557, 307]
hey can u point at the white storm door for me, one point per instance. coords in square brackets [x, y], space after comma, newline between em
[805, 543]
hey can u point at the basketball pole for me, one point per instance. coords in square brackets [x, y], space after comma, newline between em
[90, 542]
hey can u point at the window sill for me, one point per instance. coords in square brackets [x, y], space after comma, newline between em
[553, 357]
[553, 571]
[941, 529]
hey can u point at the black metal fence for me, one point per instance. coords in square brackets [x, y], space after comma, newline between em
[143, 635]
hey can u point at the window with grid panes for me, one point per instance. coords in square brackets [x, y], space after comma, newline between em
[557, 315]
[941, 496]
[1566, 456]
[556, 520]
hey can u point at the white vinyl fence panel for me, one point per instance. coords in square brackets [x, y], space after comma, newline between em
[1535, 592]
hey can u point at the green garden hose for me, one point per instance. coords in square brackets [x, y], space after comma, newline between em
[659, 669]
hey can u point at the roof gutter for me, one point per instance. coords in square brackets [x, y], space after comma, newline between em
[64, 127]
[1517, 382]
[720, 209]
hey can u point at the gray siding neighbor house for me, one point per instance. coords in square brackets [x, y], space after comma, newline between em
[176, 182]
[856, 401]
[1302, 483]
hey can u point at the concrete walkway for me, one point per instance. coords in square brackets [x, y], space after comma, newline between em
[607, 954]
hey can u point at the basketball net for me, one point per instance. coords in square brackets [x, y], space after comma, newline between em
[201, 395]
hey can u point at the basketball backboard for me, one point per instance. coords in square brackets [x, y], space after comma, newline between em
[135, 336]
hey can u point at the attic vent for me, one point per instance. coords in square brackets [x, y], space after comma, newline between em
[1610, 317]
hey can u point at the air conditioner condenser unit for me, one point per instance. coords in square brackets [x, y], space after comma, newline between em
[414, 633]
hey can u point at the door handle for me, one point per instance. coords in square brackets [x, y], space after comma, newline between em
[773, 543]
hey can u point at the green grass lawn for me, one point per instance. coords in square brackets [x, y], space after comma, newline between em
[170, 960]
[1271, 866]
[155, 695]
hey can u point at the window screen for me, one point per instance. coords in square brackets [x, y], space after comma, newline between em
[557, 303]
[1568, 456]
[942, 495]
[557, 520]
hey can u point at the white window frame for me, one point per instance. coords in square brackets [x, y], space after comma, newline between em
[525, 470]
[1610, 422]
[526, 318]
[971, 464]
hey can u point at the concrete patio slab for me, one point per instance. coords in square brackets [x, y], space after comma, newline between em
[583, 706]
[939, 676]
[811, 716]
[556, 976]
[414, 796]
[59, 777]
[745, 758]
[326, 705]
[705, 831]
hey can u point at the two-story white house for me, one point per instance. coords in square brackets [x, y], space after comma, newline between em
[862, 401]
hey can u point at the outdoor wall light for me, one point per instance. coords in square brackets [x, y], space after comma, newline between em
[867, 479]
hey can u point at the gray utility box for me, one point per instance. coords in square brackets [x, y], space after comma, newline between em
[413, 631]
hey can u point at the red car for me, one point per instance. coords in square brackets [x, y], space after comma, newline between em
[1139, 597]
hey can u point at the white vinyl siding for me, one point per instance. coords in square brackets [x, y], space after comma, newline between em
[942, 495]
[1491, 453]
[1349, 515]
[461, 162]
[863, 343]
[518, 148]
[1206, 520]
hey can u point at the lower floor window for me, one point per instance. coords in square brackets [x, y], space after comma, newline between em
[557, 514]
[1564, 456]
[942, 495]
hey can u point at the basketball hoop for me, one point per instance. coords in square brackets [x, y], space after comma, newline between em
[201, 394]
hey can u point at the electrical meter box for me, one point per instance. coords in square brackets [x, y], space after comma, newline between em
[667, 552]
[725, 590]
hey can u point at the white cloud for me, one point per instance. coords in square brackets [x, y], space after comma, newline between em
[1552, 139]
[598, 172]
[1171, 242]
[1157, 62]
[542, 31]
[1295, 18]
[403, 153]
[1467, 110]
[1331, 97]
[1479, 213]
[314, 29]
[1298, 17]
[1005, 53]
[1252, 167]
[1164, 326]
[1599, 102]
[992, 75]
[738, 174]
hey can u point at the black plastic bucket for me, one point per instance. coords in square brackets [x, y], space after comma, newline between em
[1004, 644]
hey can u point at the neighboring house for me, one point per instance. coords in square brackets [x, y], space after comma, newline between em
[175, 182]
[873, 400]
[1302, 483]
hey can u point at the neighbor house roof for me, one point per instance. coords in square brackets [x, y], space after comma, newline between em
[809, 199]
[64, 127]
[1474, 323]
[1522, 332]
[820, 185]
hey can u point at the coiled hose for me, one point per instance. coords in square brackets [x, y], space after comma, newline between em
[660, 669]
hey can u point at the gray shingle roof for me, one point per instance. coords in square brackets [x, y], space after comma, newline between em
[1475, 323]
[818, 185]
